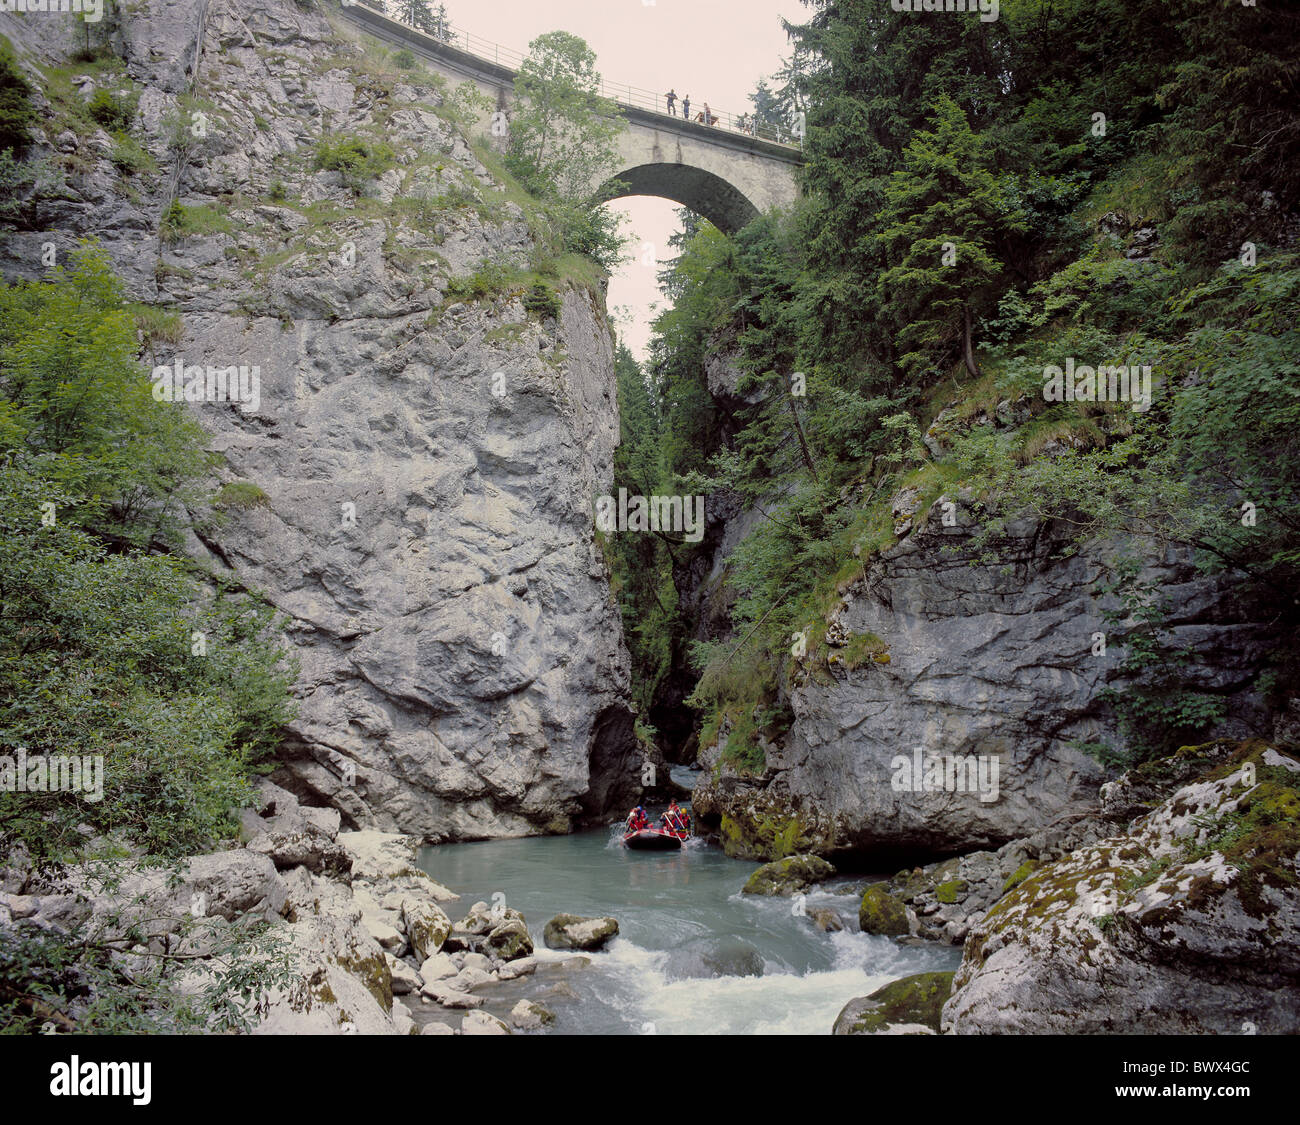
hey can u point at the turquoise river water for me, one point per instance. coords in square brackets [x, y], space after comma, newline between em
[693, 955]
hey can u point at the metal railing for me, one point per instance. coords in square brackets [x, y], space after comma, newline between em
[743, 124]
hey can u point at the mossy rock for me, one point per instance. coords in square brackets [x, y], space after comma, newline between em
[949, 892]
[788, 876]
[574, 931]
[906, 884]
[916, 1000]
[881, 913]
[510, 940]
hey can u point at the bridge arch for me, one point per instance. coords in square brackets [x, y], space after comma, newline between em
[705, 193]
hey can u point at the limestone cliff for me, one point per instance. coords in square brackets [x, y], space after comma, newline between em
[977, 654]
[425, 450]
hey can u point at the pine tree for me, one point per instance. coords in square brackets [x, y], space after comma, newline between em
[943, 219]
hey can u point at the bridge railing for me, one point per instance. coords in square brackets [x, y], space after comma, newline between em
[743, 124]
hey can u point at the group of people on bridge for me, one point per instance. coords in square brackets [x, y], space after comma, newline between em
[746, 123]
[704, 117]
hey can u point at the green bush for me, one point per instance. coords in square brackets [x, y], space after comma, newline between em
[181, 221]
[404, 59]
[357, 159]
[488, 281]
[129, 156]
[242, 495]
[115, 112]
[108, 647]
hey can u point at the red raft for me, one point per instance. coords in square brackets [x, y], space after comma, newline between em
[652, 840]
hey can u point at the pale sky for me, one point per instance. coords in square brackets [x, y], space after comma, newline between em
[713, 50]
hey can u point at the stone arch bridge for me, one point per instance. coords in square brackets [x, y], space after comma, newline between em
[717, 171]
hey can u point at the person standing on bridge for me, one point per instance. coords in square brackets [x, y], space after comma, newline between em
[672, 102]
[709, 119]
[686, 107]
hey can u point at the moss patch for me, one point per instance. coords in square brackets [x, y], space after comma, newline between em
[1020, 874]
[948, 893]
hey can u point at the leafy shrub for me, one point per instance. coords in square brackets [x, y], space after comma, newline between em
[488, 281]
[357, 159]
[181, 221]
[115, 112]
[242, 495]
[129, 156]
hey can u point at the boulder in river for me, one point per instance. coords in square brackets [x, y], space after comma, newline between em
[715, 955]
[788, 876]
[441, 993]
[480, 1023]
[521, 967]
[405, 979]
[438, 967]
[572, 931]
[826, 920]
[509, 941]
[911, 1006]
[528, 1016]
[881, 913]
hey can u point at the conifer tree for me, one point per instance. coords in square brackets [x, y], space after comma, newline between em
[943, 220]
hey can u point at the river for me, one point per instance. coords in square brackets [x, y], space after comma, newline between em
[693, 955]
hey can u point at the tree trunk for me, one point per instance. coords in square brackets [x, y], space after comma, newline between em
[968, 346]
[803, 443]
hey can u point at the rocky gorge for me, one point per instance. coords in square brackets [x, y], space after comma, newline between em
[412, 491]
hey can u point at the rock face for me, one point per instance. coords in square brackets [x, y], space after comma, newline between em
[963, 670]
[788, 876]
[572, 931]
[1188, 922]
[428, 464]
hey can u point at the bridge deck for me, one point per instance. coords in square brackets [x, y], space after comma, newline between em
[477, 66]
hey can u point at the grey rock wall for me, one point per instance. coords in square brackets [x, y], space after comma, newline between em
[463, 668]
[993, 661]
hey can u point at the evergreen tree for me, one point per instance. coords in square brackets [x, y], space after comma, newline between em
[943, 220]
